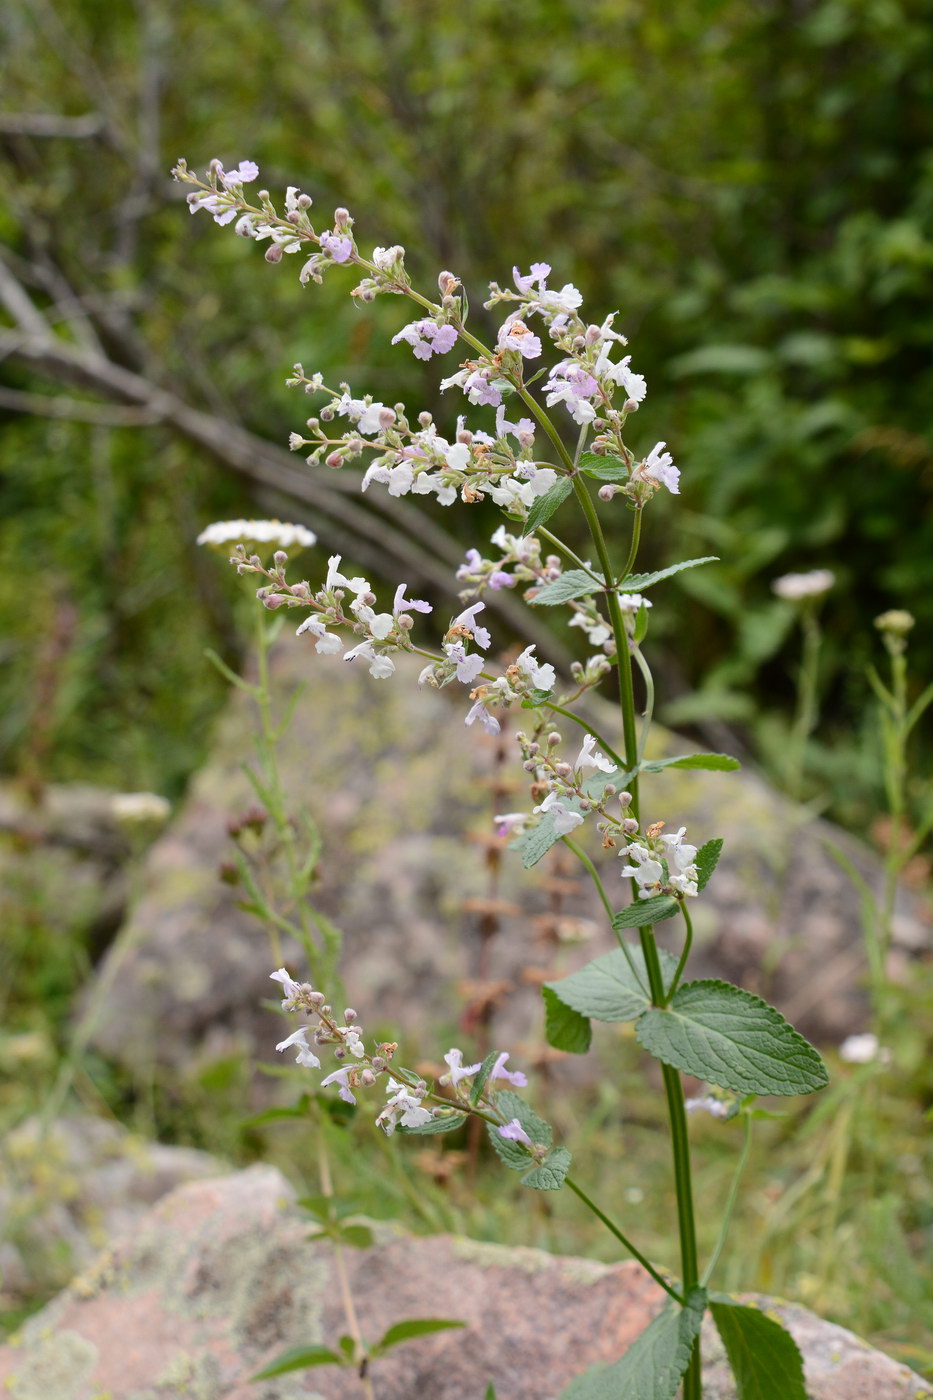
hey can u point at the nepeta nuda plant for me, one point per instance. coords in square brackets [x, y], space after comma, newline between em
[736, 1043]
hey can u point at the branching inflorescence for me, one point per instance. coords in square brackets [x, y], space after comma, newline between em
[720, 1034]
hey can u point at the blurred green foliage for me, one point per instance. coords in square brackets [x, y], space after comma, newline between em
[751, 184]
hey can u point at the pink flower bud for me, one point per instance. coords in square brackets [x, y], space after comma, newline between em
[274, 254]
[386, 418]
[304, 201]
[607, 492]
[334, 459]
[341, 216]
[630, 405]
[349, 1016]
[630, 826]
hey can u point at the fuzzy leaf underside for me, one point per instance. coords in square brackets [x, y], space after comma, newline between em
[545, 506]
[607, 989]
[729, 1037]
[764, 1357]
[646, 911]
[448, 1124]
[654, 1364]
[572, 584]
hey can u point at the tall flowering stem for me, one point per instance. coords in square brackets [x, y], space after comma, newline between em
[407, 454]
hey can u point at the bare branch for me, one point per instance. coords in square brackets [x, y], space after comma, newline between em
[49, 124]
[76, 410]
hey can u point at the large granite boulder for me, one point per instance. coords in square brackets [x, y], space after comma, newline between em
[404, 795]
[220, 1278]
[68, 1187]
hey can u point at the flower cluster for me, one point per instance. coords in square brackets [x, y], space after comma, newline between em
[664, 864]
[256, 532]
[406, 1094]
[586, 379]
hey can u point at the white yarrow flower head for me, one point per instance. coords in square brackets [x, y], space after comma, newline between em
[864, 1049]
[259, 534]
[794, 587]
[140, 807]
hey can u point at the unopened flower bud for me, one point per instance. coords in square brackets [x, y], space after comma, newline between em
[630, 405]
[425, 419]
[280, 558]
[563, 770]
[530, 765]
[379, 1063]
[386, 418]
[465, 435]
[216, 167]
[293, 216]
[896, 620]
[316, 998]
[341, 217]
[340, 1052]
[554, 738]
[607, 492]
[349, 1016]
[334, 459]
[326, 1009]
[274, 254]
[304, 201]
[630, 826]
[367, 1077]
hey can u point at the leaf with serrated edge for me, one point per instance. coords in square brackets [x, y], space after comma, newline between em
[298, 1359]
[646, 911]
[764, 1357]
[606, 988]
[533, 845]
[654, 1364]
[707, 860]
[572, 584]
[545, 506]
[514, 1154]
[549, 1175]
[603, 468]
[565, 1028]
[727, 1036]
[636, 582]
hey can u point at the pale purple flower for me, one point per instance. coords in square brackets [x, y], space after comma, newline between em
[500, 579]
[647, 871]
[542, 677]
[341, 1077]
[633, 602]
[524, 429]
[479, 389]
[515, 335]
[403, 604]
[469, 664]
[536, 278]
[516, 1133]
[507, 822]
[466, 619]
[427, 338]
[471, 565]
[458, 1070]
[379, 666]
[290, 988]
[705, 1103]
[514, 1076]
[404, 1106]
[564, 819]
[634, 384]
[591, 757]
[660, 465]
[243, 174]
[306, 1055]
[336, 246]
[488, 721]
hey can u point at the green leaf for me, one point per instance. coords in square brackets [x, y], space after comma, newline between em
[729, 1037]
[514, 1154]
[358, 1236]
[607, 988]
[646, 911]
[490, 1392]
[549, 1175]
[447, 1124]
[634, 583]
[572, 584]
[299, 1359]
[707, 860]
[545, 506]
[413, 1327]
[710, 762]
[533, 845]
[641, 626]
[654, 1364]
[534, 698]
[565, 1028]
[764, 1357]
[606, 468]
[482, 1075]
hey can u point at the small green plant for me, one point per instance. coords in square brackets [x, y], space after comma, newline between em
[718, 1033]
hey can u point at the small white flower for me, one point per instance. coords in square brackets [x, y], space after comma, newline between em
[458, 1070]
[306, 1055]
[542, 677]
[796, 586]
[564, 819]
[591, 757]
[707, 1104]
[864, 1050]
[632, 602]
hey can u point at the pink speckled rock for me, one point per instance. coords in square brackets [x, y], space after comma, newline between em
[220, 1277]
